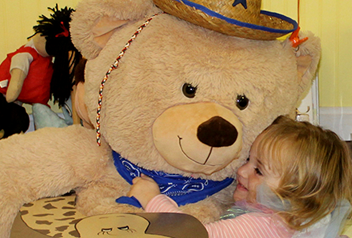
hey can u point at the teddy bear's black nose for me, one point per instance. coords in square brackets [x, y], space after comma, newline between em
[217, 132]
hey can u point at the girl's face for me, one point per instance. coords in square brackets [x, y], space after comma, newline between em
[254, 172]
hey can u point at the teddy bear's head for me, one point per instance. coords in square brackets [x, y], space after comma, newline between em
[182, 98]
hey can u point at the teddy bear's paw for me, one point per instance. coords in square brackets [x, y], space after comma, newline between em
[98, 204]
[109, 208]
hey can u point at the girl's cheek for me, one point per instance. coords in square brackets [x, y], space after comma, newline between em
[252, 197]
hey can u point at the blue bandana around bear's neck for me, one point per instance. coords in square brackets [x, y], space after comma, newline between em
[182, 190]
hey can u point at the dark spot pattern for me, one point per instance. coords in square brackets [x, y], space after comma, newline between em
[65, 219]
[43, 222]
[48, 220]
[24, 212]
[74, 233]
[43, 215]
[61, 228]
[69, 213]
[75, 221]
[49, 206]
[58, 235]
[68, 208]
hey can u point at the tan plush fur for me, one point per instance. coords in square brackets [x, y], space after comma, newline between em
[46, 163]
[166, 54]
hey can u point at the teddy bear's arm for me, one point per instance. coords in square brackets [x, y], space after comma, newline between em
[46, 163]
[99, 197]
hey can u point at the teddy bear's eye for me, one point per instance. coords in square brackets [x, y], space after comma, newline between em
[242, 102]
[189, 90]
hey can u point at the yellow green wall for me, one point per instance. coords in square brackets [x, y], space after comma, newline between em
[330, 20]
[17, 18]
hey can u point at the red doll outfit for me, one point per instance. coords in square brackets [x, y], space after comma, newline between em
[36, 86]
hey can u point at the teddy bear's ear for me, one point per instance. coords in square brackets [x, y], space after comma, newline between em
[95, 21]
[103, 30]
[307, 57]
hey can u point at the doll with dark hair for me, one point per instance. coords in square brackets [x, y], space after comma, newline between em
[59, 45]
[42, 68]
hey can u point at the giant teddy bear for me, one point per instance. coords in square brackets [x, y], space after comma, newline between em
[173, 97]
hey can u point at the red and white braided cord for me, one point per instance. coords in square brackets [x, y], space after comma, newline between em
[112, 67]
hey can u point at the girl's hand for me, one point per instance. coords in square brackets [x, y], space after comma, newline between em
[144, 189]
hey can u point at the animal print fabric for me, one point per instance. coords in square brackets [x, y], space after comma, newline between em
[53, 217]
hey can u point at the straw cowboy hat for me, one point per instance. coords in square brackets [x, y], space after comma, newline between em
[241, 18]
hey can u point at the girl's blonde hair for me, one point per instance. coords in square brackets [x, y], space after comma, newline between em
[314, 165]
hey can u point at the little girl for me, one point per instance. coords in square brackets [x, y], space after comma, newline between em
[295, 183]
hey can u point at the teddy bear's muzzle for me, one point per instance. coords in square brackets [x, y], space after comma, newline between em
[199, 137]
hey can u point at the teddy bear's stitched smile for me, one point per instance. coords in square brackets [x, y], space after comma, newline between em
[206, 160]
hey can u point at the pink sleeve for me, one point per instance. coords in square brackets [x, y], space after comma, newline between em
[244, 226]
[162, 203]
[247, 225]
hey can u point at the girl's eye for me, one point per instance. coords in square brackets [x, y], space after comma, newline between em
[247, 160]
[258, 171]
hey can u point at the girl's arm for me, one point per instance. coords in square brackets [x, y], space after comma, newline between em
[244, 226]
[162, 203]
